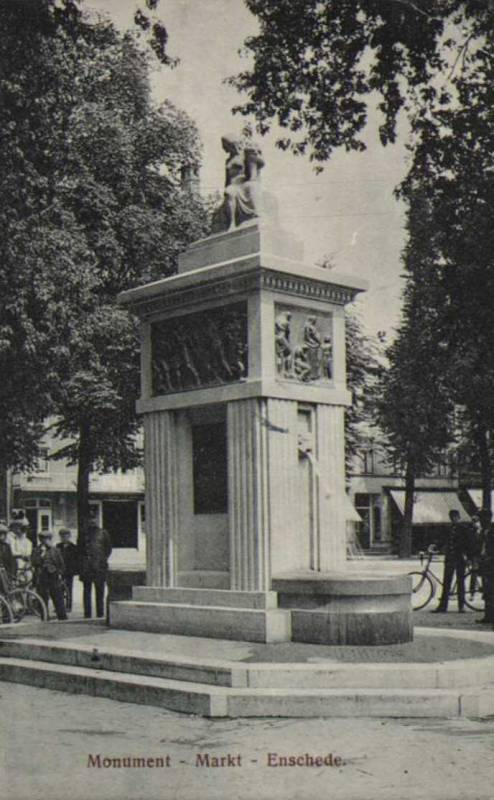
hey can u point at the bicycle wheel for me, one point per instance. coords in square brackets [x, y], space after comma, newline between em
[36, 605]
[18, 603]
[474, 596]
[6, 613]
[422, 590]
[27, 601]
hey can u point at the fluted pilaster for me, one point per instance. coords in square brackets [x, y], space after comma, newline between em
[161, 497]
[330, 449]
[248, 495]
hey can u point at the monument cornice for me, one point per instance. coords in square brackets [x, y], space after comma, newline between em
[242, 277]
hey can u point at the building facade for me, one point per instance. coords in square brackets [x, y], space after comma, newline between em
[377, 491]
[48, 496]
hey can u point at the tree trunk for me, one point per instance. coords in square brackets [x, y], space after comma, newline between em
[84, 467]
[482, 436]
[405, 543]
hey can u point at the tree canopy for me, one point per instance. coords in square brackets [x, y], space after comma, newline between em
[319, 67]
[319, 64]
[91, 203]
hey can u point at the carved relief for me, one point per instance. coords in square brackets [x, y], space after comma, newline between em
[198, 350]
[303, 345]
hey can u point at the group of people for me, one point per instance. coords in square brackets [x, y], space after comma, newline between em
[51, 568]
[472, 544]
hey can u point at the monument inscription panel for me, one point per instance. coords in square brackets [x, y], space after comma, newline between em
[206, 348]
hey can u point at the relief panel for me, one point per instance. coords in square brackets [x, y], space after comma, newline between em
[194, 351]
[303, 340]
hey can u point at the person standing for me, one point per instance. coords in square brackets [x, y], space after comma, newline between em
[49, 569]
[7, 560]
[70, 557]
[21, 547]
[96, 551]
[457, 551]
[477, 546]
[486, 567]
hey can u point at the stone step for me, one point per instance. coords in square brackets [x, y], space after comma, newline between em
[215, 622]
[204, 671]
[205, 597]
[473, 672]
[191, 698]
[219, 701]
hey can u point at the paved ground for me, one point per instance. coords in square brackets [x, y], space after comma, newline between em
[429, 645]
[53, 742]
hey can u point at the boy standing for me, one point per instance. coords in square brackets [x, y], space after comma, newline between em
[49, 567]
[70, 557]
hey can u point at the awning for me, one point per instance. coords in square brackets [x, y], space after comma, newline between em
[430, 508]
[351, 513]
[476, 496]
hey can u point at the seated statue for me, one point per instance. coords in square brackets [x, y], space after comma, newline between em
[242, 184]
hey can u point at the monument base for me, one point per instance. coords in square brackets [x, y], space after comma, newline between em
[208, 613]
[318, 608]
[347, 609]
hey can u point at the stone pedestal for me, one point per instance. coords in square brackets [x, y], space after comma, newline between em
[243, 397]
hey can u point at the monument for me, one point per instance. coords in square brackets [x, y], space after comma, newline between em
[243, 399]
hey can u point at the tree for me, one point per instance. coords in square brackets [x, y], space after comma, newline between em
[317, 67]
[452, 164]
[91, 204]
[363, 368]
[415, 406]
[317, 64]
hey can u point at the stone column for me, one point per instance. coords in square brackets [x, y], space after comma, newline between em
[161, 497]
[248, 495]
[330, 447]
[289, 546]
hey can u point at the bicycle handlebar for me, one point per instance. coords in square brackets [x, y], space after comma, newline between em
[429, 554]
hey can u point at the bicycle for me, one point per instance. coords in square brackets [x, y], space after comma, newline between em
[20, 595]
[6, 611]
[426, 583]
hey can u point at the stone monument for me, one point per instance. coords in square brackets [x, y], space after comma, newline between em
[243, 399]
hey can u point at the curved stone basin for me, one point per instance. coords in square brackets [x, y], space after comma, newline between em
[347, 608]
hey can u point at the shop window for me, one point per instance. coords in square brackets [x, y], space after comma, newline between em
[41, 462]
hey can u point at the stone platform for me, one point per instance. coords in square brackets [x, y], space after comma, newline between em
[232, 679]
[217, 613]
[328, 608]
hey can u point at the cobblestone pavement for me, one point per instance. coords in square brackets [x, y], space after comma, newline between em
[68, 747]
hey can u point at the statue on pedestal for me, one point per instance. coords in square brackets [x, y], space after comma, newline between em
[242, 184]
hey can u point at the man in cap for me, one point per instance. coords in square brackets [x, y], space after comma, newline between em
[95, 554]
[49, 567]
[457, 551]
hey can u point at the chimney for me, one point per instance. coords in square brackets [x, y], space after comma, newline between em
[189, 178]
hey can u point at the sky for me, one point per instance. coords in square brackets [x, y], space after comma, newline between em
[348, 212]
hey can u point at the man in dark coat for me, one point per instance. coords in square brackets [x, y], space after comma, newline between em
[70, 556]
[96, 551]
[486, 566]
[457, 551]
[7, 560]
[49, 569]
